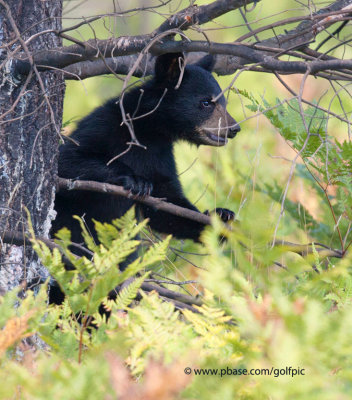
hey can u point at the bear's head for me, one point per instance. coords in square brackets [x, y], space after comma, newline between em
[194, 104]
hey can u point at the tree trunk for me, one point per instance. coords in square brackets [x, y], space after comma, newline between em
[30, 121]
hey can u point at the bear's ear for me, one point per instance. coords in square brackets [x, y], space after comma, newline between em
[207, 62]
[168, 67]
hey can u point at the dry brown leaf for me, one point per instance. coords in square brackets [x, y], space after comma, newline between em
[14, 331]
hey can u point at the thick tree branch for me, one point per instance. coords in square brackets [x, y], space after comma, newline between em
[126, 45]
[268, 62]
[255, 56]
[241, 51]
[233, 55]
[119, 65]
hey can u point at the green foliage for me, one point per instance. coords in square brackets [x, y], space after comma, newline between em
[88, 281]
[276, 319]
[326, 165]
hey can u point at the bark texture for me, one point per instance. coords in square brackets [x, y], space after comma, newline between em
[30, 121]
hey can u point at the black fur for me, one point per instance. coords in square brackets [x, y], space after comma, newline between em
[185, 113]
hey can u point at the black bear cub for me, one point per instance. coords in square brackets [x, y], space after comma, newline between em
[176, 104]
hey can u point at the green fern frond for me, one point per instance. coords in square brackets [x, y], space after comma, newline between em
[128, 293]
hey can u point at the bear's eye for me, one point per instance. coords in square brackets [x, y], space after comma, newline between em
[206, 103]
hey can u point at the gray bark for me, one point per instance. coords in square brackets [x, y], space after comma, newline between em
[30, 121]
